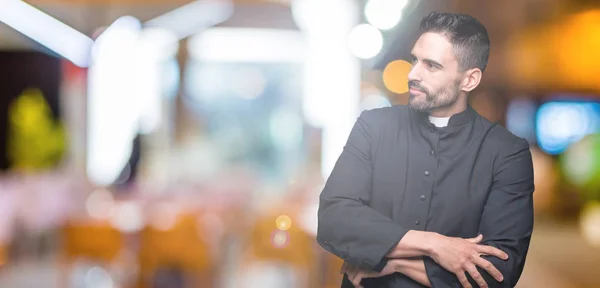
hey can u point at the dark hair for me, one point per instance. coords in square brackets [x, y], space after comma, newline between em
[468, 36]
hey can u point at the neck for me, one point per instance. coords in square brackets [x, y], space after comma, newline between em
[459, 106]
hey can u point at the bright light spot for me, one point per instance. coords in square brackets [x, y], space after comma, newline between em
[158, 44]
[590, 223]
[280, 239]
[128, 217]
[365, 41]
[98, 278]
[112, 117]
[247, 45]
[395, 76]
[283, 222]
[559, 124]
[384, 14]
[100, 204]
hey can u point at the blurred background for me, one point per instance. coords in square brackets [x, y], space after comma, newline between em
[155, 143]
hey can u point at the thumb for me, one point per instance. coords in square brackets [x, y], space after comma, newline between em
[476, 239]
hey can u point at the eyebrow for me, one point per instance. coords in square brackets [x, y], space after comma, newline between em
[428, 61]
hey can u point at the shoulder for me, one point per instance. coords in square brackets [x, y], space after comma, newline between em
[505, 144]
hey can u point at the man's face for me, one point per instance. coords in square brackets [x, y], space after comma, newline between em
[434, 79]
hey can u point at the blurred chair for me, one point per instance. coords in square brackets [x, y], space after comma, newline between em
[290, 247]
[90, 240]
[179, 249]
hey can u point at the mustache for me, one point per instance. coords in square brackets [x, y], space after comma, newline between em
[416, 86]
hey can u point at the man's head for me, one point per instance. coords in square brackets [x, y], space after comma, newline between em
[448, 60]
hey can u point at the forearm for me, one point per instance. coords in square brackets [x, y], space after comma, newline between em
[415, 269]
[414, 244]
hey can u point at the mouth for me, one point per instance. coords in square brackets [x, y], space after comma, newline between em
[416, 91]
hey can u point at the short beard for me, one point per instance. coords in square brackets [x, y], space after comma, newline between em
[443, 98]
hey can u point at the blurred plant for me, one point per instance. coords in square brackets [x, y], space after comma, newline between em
[36, 141]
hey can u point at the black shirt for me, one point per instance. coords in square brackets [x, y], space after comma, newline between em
[398, 172]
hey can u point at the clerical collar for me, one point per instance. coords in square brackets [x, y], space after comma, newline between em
[439, 121]
[458, 119]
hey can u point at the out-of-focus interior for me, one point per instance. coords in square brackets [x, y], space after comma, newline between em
[184, 143]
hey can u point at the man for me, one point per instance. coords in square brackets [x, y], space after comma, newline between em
[432, 194]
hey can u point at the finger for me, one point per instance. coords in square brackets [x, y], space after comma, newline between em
[493, 251]
[352, 272]
[476, 239]
[490, 268]
[462, 277]
[476, 276]
[356, 279]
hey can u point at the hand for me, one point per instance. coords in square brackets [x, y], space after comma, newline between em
[460, 256]
[355, 274]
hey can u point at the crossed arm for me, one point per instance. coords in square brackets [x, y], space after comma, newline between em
[366, 239]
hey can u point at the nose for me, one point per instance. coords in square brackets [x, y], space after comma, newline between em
[413, 74]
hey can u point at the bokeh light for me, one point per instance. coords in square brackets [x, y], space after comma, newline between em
[283, 222]
[384, 14]
[365, 41]
[395, 76]
[581, 165]
[100, 204]
[590, 223]
[560, 124]
[280, 239]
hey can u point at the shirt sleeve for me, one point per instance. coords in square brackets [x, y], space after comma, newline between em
[347, 226]
[506, 223]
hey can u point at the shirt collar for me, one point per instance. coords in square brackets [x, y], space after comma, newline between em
[459, 119]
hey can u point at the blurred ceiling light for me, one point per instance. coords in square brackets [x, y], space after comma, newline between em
[193, 17]
[384, 14]
[158, 43]
[46, 30]
[365, 41]
[249, 45]
[395, 76]
[331, 74]
[113, 119]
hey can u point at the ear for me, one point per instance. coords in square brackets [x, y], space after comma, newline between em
[471, 79]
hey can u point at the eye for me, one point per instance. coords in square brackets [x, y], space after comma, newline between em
[431, 66]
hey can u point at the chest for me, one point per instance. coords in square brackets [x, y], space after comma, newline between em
[424, 174]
